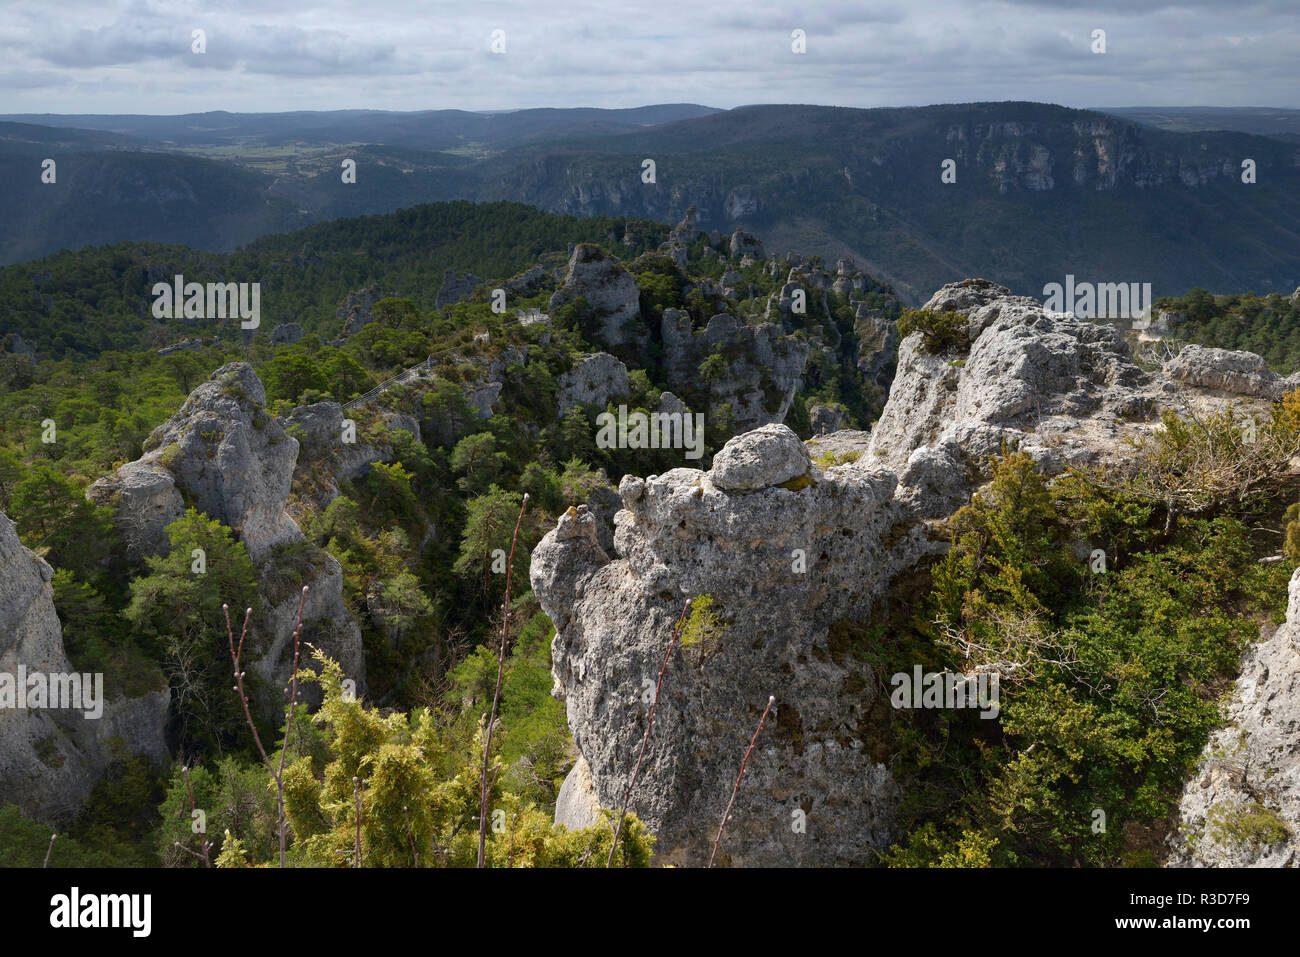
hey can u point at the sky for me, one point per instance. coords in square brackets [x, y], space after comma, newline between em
[136, 56]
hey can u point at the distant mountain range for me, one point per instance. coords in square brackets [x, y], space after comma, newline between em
[1143, 194]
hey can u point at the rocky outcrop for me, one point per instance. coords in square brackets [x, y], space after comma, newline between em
[454, 290]
[184, 345]
[877, 345]
[577, 805]
[482, 396]
[1064, 390]
[358, 308]
[286, 334]
[746, 246]
[824, 419]
[610, 292]
[1059, 387]
[1238, 373]
[146, 500]
[593, 380]
[12, 343]
[763, 366]
[527, 282]
[680, 237]
[322, 449]
[684, 232]
[793, 296]
[789, 554]
[225, 454]
[51, 758]
[1242, 807]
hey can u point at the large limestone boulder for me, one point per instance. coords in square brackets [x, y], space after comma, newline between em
[1238, 373]
[577, 805]
[965, 296]
[609, 290]
[768, 456]
[789, 555]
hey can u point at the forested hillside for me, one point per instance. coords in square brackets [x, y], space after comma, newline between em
[1036, 190]
[99, 298]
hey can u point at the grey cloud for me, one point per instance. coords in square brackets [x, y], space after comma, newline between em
[409, 54]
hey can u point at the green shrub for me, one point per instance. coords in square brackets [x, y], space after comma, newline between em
[1245, 825]
[940, 331]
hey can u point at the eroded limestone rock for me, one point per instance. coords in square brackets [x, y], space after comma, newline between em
[684, 534]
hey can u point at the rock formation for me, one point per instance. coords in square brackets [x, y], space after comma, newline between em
[453, 290]
[764, 367]
[224, 453]
[321, 450]
[610, 292]
[1064, 390]
[1240, 373]
[824, 419]
[737, 533]
[1250, 770]
[877, 344]
[286, 334]
[746, 246]
[184, 345]
[358, 308]
[51, 758]
[593, 380]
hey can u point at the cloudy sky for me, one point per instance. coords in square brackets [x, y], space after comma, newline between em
[135, 56]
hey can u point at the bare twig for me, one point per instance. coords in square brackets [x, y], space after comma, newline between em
[190, 791]
[194, 854]
[496, 696]
[650, 722]
[356, 798]
[277, 772]
[771, 699]
[49, 850]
